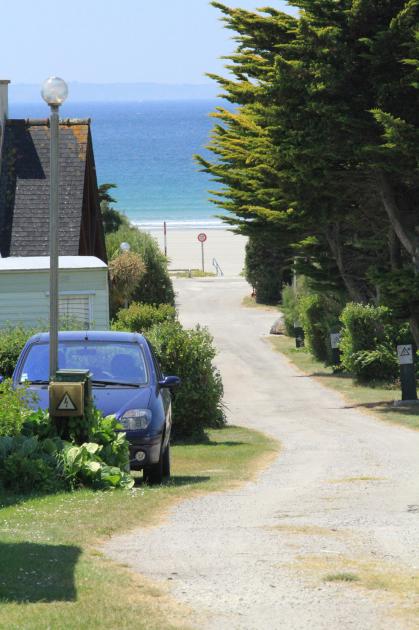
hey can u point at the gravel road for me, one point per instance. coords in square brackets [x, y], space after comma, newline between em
[343, 494]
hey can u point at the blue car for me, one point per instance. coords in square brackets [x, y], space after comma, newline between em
[126, 381]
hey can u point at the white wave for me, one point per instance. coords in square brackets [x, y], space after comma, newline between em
[209, 224]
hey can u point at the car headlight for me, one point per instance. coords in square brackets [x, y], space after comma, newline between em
[135, 419]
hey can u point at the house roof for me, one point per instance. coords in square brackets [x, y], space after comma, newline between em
[41, 263]
[24, 186]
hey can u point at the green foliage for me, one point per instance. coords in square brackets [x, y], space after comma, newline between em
[368, 342]
[12, 341]
[84, 465]
[189, 354]
[39, 460]
[319, 316]
[264, 266]
[14, 409]
[155, 286]
[28, 464]
[112, 219]
[141, 317]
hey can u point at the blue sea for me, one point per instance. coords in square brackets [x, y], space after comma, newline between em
[147, 150]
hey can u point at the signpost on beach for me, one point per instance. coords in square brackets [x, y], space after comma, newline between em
[165, 238]
[202, 237]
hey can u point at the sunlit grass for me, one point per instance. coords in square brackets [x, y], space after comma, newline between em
[376, 399]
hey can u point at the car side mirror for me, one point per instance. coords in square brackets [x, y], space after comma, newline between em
[169, 381]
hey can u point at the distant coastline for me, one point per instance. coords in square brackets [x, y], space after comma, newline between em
[120, 92]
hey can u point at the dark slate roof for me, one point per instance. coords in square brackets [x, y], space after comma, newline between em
[24, 186]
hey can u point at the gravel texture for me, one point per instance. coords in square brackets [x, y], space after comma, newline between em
[344, 489]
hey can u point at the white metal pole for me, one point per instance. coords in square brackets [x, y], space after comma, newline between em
[202, 252]
[53, 241]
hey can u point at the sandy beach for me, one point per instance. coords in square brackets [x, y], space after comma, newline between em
[184, 249]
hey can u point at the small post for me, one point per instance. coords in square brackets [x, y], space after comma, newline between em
[165, 238]
[299, 335]
[202, 237]
[334, 343]
[407, 372]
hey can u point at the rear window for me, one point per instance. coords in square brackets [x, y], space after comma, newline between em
[112, 362]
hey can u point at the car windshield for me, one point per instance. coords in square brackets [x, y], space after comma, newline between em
[109, 362]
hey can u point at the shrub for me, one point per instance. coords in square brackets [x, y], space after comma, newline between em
[125, 273]
[141, 317]
[289, 307]
[368, 341]
[263, 267]
[197, 403]
[39, 460]
[155, 286]
[12, 340]
[319, 316]
[14, 409]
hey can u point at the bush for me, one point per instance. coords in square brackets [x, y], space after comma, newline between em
[368, 343]
[155, 287]
[264, 267]
[141, 317]
[125, 273]
[40, 460]
[319, 316]
[197, 403]
[12, 340]
[289, 307]
[14, 410]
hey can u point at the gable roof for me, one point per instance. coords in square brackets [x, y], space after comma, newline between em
[24, 189]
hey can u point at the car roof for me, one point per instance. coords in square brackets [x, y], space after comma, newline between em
[90, 335]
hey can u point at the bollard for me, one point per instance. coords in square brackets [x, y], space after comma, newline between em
[407, 372]
[299, 335]
[335, 343]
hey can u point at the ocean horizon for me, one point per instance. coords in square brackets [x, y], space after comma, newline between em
[147, 150]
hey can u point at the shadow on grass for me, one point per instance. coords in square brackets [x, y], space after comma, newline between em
[383, 405]
[37, 573]
[177, 480]
[324, 375]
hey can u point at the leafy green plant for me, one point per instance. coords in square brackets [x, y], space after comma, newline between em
[14, 408]
[197, 403]
[368, 342]
[141, 317]
[319, 316]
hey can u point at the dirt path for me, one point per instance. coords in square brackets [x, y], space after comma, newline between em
[342, 496]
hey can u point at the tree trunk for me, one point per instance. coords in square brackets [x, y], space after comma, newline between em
[333, 239]
[405, 233]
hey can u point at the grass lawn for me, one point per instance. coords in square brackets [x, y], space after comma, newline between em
[191, 273]
[378, 400]
[52, 574]
[250, 302]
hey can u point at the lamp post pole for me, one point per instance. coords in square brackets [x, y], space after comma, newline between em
[53, 241]
[54, 92]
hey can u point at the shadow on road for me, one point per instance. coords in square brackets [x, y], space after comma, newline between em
[37, 573]
[177, 480]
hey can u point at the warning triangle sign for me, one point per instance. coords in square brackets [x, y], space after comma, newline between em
[405, 352]
[66, 404]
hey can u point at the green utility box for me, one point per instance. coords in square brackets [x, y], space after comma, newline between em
[69, 393]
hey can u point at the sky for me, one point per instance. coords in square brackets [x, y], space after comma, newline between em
[107, 41]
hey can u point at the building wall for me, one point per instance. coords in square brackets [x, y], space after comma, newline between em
[24, 295]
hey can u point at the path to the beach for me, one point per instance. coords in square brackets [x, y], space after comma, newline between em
[345, 487]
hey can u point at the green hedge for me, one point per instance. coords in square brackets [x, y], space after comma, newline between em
[141, 317]
[197, 403]
[368, 342]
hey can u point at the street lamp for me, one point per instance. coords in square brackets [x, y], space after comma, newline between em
[54, 92]
[125, 247]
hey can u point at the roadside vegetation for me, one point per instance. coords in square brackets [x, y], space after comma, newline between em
[52, 573]
[318, 165]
